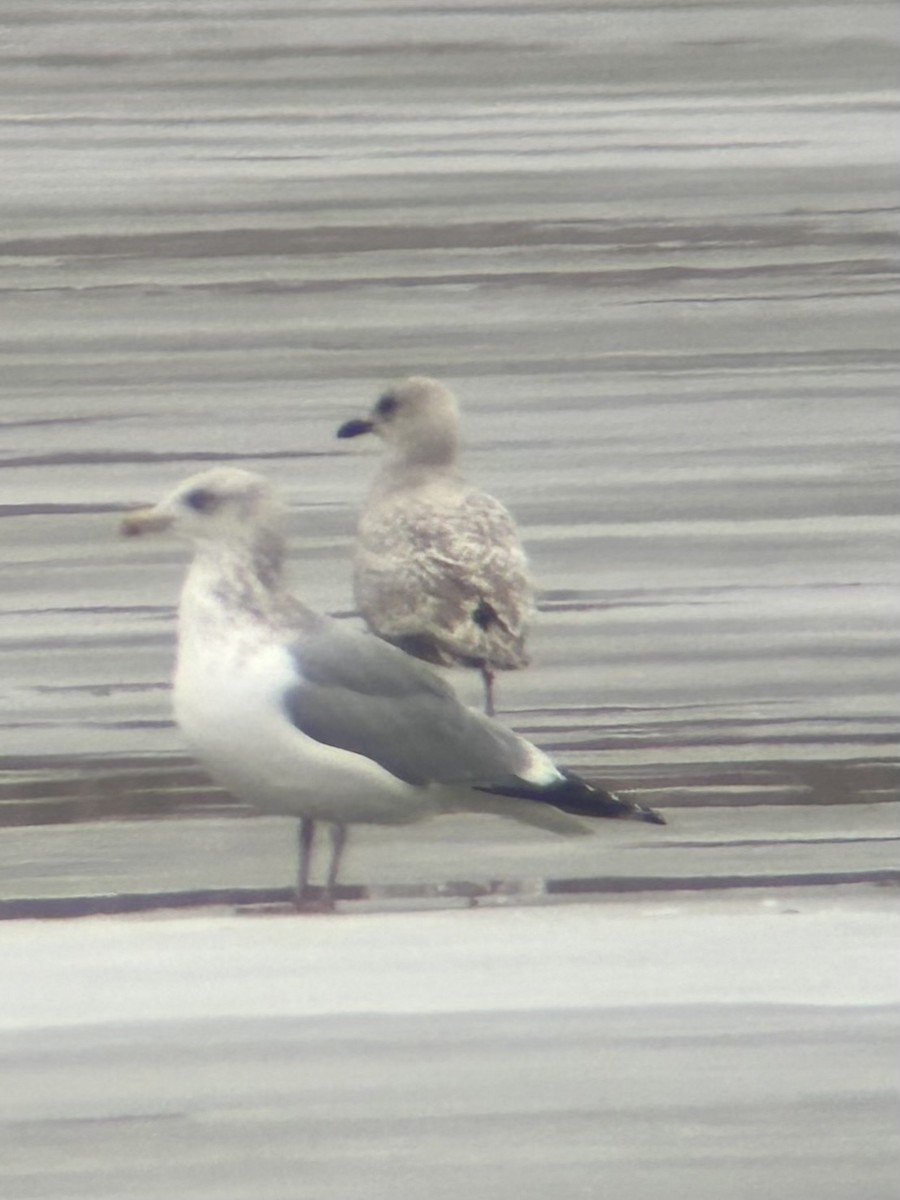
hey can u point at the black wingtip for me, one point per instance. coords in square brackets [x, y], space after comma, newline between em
[575, 795]
[643, 813]
[582, 799]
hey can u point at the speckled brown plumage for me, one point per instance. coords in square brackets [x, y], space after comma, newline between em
[438, 568]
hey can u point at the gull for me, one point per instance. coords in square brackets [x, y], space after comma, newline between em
[299, 714]
[438, 567]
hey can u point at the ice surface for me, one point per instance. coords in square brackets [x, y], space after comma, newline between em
[695, 1049]
[619, 953]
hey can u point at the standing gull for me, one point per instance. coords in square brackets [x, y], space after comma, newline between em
[295, 713]
[438, 570]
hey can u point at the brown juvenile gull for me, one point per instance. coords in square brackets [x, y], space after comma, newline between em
[299, 714]
[438, 568]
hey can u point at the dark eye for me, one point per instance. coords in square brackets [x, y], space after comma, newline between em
[201, 500]
[386, 405]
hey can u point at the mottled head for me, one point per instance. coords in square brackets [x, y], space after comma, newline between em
[224, 506]
[417, 418]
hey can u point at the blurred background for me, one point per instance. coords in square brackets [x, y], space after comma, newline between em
[652, 249]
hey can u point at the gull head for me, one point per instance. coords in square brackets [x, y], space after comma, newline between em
[224, 505]
[417, 418]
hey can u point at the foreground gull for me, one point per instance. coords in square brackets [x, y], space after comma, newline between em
[438, 568]
[298, 714]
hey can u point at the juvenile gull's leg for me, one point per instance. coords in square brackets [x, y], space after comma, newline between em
[487, 676]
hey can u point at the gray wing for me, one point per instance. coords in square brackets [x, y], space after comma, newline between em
[360, 694]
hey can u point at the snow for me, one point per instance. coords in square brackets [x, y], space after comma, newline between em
[568, 957]
[694, 1047]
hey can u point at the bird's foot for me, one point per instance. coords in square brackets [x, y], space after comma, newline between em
[314, 901]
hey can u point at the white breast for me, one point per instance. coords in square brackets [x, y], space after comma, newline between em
[229, 703]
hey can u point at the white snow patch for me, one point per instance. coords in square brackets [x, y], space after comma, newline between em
[622, 953]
